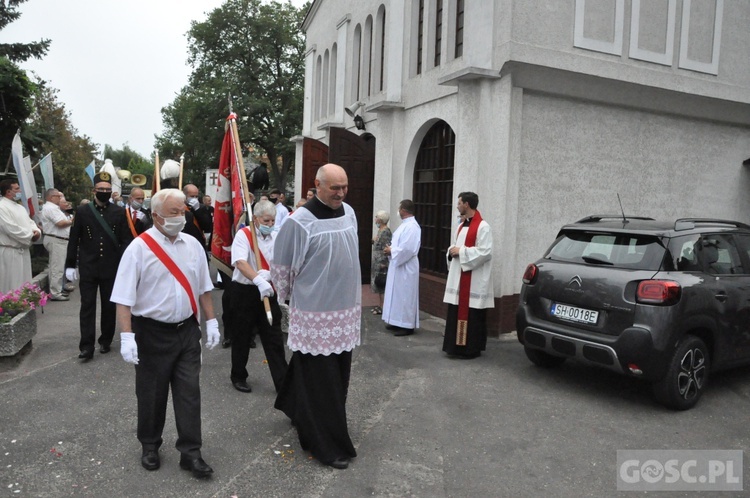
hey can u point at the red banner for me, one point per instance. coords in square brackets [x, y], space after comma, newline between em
[229, 207]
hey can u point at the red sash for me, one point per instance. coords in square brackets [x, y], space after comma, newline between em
[172, 267]
[249, 235]
[129, 216]
[464, 288]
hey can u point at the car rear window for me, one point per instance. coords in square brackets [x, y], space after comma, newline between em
[635, 251]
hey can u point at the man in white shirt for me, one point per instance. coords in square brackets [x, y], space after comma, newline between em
[276, 197]
[17, 232]
[251, 283]
[162, 276]
[56, 226]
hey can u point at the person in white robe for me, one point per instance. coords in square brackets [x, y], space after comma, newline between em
[17, 232]
[316, 265]
[401, 302]
[468, 291]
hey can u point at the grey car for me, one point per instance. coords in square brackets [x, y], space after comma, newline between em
[668, 302]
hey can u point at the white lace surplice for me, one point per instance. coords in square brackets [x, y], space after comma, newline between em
[316, 267]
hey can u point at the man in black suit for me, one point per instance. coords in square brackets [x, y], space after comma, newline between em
[198, 219]
[98, 237]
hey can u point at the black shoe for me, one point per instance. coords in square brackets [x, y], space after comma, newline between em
[340, 463]
[252, 344]
[391, 327]
[402, 332]
[150, 460]
[197, 466]
[226, 343]
[104, 349]
[86, 355]
[242, 386]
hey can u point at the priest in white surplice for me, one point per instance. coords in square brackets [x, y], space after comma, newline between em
[401, 303]
[469, 290]
[316, 264]
[17, 232]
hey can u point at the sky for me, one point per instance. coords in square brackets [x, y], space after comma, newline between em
[116, 63]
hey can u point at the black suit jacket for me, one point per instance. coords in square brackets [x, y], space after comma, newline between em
[90, 248]
[198, 222]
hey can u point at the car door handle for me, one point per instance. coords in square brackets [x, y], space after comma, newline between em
[721, 296]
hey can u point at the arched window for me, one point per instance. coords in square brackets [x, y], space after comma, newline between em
[316, 93]
[432, 195]
[380, 49]
[332, 82]
[324, 88]
[367, 57]
[459, 46]
[356, 55]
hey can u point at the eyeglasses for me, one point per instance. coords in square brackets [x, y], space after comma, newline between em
[103, 189]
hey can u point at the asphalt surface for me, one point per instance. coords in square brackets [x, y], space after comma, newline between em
[423, 424]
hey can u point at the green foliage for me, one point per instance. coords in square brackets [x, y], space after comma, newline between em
[127, 158]
[18, 52]
[254, 52]
[16, 104]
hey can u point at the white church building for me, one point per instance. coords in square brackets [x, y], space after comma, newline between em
[546, 109]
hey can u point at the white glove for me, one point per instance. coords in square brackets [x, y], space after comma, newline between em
[212, 333]
[264, 287]
[265, 274]
[128, 347]
[194, 203]
[71, 274]
[140, 215]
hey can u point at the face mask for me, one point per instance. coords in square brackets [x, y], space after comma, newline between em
[136, 205]
[103, 196]
[121, 204]
[17, 197]
[173, 226]
[265, 230]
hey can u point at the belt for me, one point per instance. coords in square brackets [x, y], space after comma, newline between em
[164, 325]
[55, 236]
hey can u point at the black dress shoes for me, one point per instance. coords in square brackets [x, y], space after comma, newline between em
[391, 327]
[150, 460]
[226, 343]
[242, 386]
[253, 345]
[197, 466]
[340, 463]
[402, 332]
[104, 349]
[86, 355]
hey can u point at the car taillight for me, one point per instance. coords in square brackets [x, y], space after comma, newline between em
[529, 276]
[664, 292]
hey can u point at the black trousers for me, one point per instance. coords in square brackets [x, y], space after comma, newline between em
[248, 316]
[313, 396]
[168, 358]
[87, 315]
[476, 336]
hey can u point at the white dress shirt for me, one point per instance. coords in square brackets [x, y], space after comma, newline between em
[51, 215]
[145, 284]
[241, 250]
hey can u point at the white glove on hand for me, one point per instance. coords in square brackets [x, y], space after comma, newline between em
[128, 347]
[264, 287]
[212, 333]
[71, 274]
[194, 203]
[265, 274]
[140, 215]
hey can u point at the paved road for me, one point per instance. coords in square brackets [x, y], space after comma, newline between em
[424, 425]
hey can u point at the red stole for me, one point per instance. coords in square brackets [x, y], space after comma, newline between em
[464, 288]
[173, 269]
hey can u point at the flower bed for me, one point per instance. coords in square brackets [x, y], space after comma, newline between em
[18, 317]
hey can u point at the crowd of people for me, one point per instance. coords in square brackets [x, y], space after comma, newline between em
[150, 272]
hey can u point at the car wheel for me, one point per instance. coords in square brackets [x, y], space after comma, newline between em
[687, 376]
[542, 359]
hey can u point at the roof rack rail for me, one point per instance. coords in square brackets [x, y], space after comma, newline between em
[599, 217]
[689, 223]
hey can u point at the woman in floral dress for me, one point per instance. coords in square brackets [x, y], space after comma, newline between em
[379, 266]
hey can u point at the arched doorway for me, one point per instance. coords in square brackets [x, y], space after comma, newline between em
[433, 196]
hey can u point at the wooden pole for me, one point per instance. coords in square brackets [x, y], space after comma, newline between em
[243, 179]
[182, 166]
[155, 184]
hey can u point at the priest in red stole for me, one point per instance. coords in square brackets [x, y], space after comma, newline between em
[469, 290]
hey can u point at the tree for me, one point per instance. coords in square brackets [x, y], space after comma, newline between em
[254, 52]
[18, 52]
[16, 104]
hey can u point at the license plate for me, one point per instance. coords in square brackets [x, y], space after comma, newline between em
[574, 314]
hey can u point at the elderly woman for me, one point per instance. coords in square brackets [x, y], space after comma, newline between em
[379, 266]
